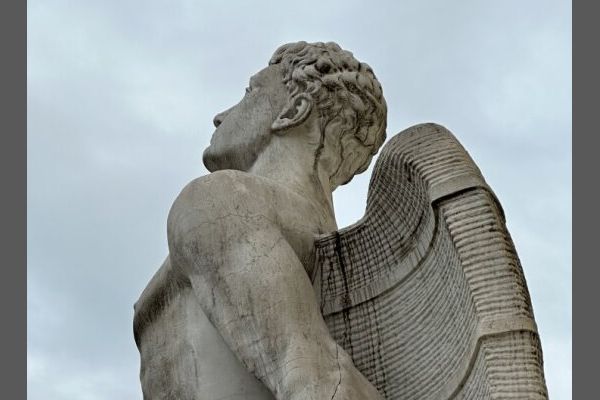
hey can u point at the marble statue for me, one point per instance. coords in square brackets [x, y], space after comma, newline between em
[263, 297]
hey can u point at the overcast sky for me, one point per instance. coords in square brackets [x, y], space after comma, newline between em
[121, 96]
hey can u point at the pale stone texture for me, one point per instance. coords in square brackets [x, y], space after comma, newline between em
[262, 297]
[426, 292]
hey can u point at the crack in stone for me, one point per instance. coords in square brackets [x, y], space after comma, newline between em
[337, 358]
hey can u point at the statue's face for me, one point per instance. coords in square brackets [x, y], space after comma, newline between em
[244, 130]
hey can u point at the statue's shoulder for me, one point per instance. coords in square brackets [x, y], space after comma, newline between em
[228, 189]
[228, 197]
[232, 204]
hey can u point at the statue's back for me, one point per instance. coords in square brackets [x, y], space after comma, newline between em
[426, 292]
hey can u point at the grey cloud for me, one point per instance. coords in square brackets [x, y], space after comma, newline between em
[120, 101]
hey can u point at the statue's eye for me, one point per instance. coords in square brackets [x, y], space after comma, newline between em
[248, 90]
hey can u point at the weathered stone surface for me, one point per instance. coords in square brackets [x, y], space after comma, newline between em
[426, 292]
[262, 297]
[241, 239]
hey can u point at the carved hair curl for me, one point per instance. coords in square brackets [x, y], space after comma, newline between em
[348, 97]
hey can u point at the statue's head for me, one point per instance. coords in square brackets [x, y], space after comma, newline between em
[306, 83]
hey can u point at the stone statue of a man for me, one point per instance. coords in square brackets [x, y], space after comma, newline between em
[241, 239]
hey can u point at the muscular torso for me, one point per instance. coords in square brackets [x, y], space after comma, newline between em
[182, 354]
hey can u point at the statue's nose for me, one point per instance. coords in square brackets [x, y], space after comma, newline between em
[218, 119]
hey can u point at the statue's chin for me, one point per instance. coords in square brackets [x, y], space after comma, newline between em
[220, 160]
[240, 157]
[210, 160]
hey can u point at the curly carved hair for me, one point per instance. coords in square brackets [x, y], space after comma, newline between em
[348, 97]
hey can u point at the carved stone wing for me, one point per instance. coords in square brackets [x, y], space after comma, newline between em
[426, 292]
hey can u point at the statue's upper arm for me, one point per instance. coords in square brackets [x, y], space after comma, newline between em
[212, 213]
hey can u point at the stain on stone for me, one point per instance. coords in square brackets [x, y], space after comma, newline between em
[346, 304]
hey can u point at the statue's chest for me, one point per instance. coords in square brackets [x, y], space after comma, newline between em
[184, 357]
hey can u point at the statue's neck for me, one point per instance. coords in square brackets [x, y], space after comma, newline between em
[291, 163]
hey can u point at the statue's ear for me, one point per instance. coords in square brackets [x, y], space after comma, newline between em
[294, 113]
